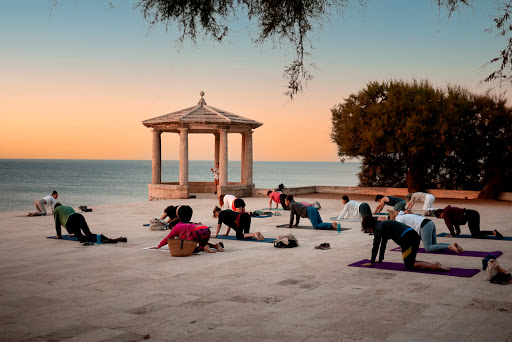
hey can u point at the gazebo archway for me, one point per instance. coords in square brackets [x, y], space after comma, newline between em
[201, 119]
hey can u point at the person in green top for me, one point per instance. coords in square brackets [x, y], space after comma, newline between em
[73, 222]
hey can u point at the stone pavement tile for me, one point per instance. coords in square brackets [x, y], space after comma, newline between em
[504, 307]
[441, 310]
[360, 326]
[335, 336]
[482, 304]
[31, 302]
[412, 335]
[460, 326]
[491, 331]
[95, 335]
[124, 337]
[279, 331]
[472, 314]
[111, 319]
[428, 323]
[69, 331]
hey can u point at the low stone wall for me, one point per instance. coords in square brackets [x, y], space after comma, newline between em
[372, 191]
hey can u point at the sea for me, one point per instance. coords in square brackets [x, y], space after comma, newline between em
[95, 182]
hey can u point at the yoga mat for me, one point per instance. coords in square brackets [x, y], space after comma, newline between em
[477, 254]
[274, 209]
[64, 237]
[396, 266]
[165, 248]
[462, 236]
[335, 218]
[307, 227]
[232, 237]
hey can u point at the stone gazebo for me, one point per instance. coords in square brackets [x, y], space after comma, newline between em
[206, 120]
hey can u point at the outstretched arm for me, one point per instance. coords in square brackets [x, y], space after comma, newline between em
[218, 229]
[379, 207]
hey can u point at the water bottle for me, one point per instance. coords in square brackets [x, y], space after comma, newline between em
[98, 238]
[339, 228]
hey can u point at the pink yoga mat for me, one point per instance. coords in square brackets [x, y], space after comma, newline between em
[476, 254]
[395, 266]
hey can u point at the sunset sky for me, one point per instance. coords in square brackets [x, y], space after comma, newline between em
[77, 79]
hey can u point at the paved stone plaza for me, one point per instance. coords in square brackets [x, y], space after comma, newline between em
[56, 290]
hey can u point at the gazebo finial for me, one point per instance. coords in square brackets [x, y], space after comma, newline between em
[201, 101]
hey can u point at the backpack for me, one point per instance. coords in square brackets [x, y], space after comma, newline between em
[286, 241]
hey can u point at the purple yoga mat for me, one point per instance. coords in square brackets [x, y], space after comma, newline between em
[477, 254]
[395, 266]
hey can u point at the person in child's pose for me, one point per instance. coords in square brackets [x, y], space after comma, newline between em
[43, 203]
[196, 232]
[172, 213]
[404, 236]
[239, 221]
[277, 197]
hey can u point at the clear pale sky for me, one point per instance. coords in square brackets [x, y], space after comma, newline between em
[77, 79]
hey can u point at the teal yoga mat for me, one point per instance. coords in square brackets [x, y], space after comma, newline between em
[272, 209]
[232, 237]
[64, 237]
[488, 237]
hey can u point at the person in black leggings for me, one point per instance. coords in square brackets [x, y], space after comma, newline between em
[404, 236]
[240, 222]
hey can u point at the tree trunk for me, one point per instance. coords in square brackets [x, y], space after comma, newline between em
[495, 187]
[415, 178]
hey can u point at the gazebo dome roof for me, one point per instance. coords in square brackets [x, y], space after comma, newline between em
[201, 119]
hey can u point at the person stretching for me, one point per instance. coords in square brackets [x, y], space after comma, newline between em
[426, 229]
[240, 222]
[171, 213]
[196, 232]
[427, 199]
[455, 217]
[299, 210]
[277, 197]
[226, 202]
[404, 236]
[43, 203]
[397, 203]
[354, 209]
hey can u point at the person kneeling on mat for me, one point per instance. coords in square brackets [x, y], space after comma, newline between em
[299, 210]
[455, 217]
[75, 224]
[240, 222]
[404, 236]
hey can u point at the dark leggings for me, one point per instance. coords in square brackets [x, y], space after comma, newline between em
[244, 226]
[410, 243]
[76, 224]
[473, 218]
[282, 198]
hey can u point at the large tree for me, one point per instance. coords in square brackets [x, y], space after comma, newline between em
[411, 134]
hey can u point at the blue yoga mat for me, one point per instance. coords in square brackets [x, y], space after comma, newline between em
[335, 218]
[489, 237]
[232, 237]
[64, 237]
[262, 216]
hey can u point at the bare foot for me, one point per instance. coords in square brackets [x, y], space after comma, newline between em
[440, 267]
[334, 225]
[219, 248]
[259, 236]
[208, 249]
[459, 247]
[453, 248]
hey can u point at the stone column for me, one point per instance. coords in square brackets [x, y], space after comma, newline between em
[156, 160]
[248, 165]
[217, 142]
[243, 160]
[223, 157]
[183, 156]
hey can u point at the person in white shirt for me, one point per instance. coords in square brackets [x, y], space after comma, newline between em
[43, 203]
[226, 202]
[354, 209]
[426, 229]
[427, 199]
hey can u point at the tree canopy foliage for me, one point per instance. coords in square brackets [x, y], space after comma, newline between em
[292, 22]
[414, 135]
